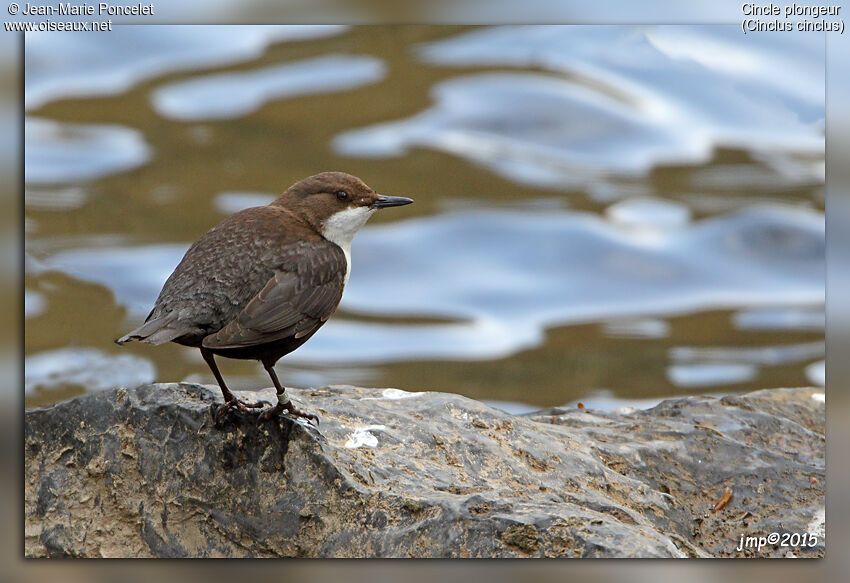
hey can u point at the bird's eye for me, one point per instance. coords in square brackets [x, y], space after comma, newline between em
[341, 195]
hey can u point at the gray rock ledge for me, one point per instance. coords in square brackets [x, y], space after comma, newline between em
[145, 472]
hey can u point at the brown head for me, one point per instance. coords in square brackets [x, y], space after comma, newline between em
[335, 204]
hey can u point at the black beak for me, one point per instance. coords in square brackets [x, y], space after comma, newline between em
[385, 201]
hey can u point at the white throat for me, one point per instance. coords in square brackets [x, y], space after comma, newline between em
[340, 228]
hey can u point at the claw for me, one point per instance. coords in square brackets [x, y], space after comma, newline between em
[269, 413]
[308, 416]
[240, 406]
[303, 414]
[290, 408]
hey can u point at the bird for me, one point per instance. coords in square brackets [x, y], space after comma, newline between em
[260, 283]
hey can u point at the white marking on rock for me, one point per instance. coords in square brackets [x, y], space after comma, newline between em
[821, 397]
[362, 437]
[393, 394]
[340, 228]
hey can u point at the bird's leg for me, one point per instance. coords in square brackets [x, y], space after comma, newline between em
[230, 401]
[283, 402]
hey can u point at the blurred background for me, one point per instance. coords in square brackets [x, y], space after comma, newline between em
[604, 214]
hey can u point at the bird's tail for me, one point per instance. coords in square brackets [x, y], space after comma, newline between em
[157, 331]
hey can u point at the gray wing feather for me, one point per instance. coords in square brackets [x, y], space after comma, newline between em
[293, 303]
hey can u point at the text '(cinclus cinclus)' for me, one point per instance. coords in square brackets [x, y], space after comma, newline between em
[260, 283]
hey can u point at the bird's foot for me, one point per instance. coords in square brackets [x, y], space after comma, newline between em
[289, 408]
[234, 403]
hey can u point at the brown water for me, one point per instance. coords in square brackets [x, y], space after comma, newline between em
[525, 272]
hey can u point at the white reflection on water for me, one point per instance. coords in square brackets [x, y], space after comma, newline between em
[763, 355]
[63, 152]
[506, 276]
[562, 134]
[649, 213]
[55, 199]
[233, 202]
[816, 373]
[86, 367]
[61, 65]
[637, 328]
[34, 304]
[721, 365]
[713, 374]
[803, 319]
[565, 266]
[231, 95]
[621, 100]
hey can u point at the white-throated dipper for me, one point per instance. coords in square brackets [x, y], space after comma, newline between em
[260, 283]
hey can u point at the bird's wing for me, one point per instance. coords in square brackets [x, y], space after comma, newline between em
[296, 301]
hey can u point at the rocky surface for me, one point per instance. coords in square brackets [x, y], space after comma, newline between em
[145, 472]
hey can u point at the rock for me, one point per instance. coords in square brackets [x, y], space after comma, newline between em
[145, 472]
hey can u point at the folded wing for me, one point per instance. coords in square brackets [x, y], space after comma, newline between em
[294, 303]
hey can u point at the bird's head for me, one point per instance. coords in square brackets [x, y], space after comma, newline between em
[336, 204]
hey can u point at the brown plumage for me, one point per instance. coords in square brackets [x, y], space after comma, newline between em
[263, 281]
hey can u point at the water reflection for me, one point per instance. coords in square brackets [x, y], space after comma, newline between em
[61, 152]
[232, 95]
[625, 100]
[816, 373]
[87, 368]
[73, 65]
[764, 355]
[232, 202]
[813, 319]
[637, 328]
[59, 199]
[649, 214]
[628, 208]
[134, 274]
[508, 276]
[34, 304]
[709, 375]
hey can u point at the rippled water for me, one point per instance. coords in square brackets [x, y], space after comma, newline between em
[628, 99]
[606, 214]
[200, 99]
[61, 153]
[64, 65]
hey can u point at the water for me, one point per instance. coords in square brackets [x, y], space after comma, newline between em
[623, 101]
[62, 66]
[61, 153]
[610, 215]
[200, 99]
